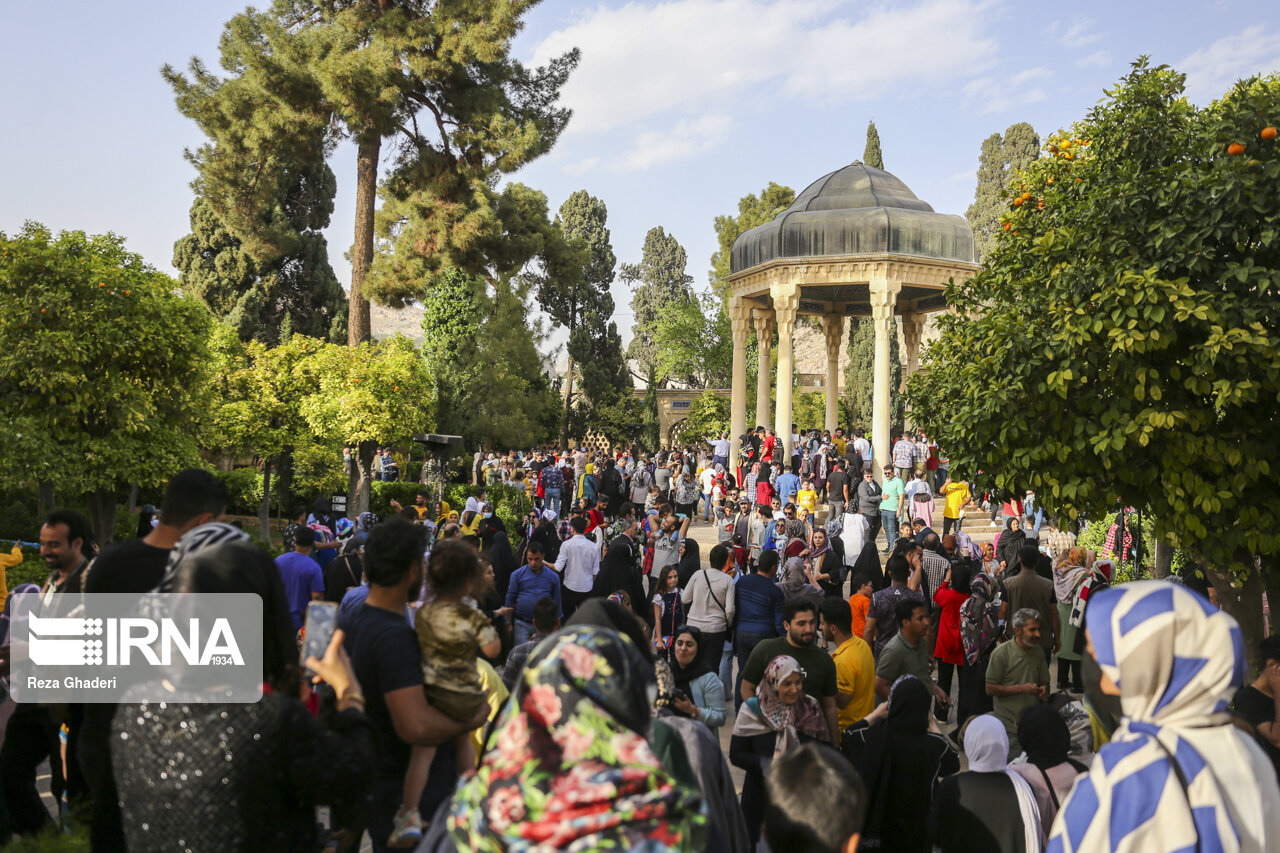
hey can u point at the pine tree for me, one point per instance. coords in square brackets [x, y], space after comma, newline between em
[257, 297]
[435, 80]
[656, 281]
[871, 155]
[1000, 159]
[859, 378]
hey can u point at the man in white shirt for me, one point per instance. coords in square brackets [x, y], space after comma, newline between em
[705, 482]
[709, 604]
[577, 565]
[864, 450]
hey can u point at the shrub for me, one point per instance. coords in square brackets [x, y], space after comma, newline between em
[244, 490]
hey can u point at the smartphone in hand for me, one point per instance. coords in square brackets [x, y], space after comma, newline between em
[322, 620]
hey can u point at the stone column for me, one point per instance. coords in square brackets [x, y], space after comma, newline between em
[763, 318]
[912, 330]
[833, 329]
[740, 320]
[884, 297]
[786, 299]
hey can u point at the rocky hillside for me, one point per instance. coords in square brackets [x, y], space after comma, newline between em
[387, 322]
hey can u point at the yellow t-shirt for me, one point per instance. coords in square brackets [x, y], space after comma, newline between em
[855, 675]
[808, 499]
[957, 495]
[841, 445]
[498, 693]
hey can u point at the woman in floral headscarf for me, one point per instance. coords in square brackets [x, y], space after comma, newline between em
[569, 764]
[1177, 775]
[979, 631]
[777, 719]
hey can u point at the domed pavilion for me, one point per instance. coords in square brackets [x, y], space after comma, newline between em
[857, 242]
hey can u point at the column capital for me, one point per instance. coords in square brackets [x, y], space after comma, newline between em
[739, 316]
[786, 301]
[884, 298]
[764, 321]
[833, 330]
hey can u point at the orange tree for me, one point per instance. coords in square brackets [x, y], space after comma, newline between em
[1123, 339]
[102, 372]
[376, 392]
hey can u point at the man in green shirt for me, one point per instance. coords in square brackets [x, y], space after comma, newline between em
[1018, 674]
[800, 621]
[907, 653]
[890, 504]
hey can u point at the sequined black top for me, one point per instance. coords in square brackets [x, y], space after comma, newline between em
[236, 777]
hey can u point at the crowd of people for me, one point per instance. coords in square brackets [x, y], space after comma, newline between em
[590, 680]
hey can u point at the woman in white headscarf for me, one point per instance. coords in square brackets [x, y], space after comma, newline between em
[989, 808]
[1176, 775]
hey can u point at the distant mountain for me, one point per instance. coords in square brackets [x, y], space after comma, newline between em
[386, 322]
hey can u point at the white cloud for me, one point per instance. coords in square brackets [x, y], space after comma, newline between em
[1098, 59]
[687, 138]
[668, 73]
[1079, 35]
[1001, 94]
[1212, 70]
[581, 167]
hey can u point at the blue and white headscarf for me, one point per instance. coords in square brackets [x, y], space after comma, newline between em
[1177, 661]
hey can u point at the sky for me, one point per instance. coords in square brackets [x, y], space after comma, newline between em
[680, 107]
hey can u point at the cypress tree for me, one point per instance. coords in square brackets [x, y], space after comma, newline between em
[871, 155]
[860, 380]
[1000, 159]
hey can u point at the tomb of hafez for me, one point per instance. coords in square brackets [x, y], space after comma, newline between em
[856, 242]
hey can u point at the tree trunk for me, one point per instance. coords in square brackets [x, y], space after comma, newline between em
[102, 514]
[358, 324]
[362, 479]
[568, 400]
[264, 508]
[1245, 604]
[1271, 581]
[1164, 560]
[44, 499]
[133, 497]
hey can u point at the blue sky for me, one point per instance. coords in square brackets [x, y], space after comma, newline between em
[681, 107]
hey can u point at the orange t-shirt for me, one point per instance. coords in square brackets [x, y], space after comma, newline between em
[859, 604]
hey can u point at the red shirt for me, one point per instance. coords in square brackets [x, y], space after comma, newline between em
[949, 648]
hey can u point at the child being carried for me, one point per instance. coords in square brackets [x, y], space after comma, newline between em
[450, 634]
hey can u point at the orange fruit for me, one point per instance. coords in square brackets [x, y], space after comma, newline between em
[1050, 180]
[1026, 196]
[1235, 148]
[1268, 133]
[44, 310]
[1007, 226]
[1040, 206]
[126, 293]
[101, 284]
[1017, 202]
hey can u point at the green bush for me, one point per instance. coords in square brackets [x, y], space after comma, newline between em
[1095, 534]
[244, 490]
[30, 570]
[20, 519]
[382, 493]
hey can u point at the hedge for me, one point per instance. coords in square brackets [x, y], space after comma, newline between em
[510, 504]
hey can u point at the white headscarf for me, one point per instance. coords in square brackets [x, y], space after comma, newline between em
[986, 744]
[1177, 661]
